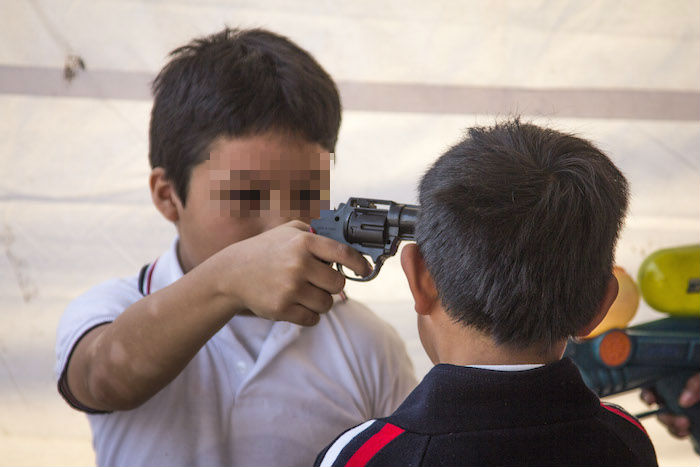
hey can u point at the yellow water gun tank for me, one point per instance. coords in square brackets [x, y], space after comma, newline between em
[669, 280]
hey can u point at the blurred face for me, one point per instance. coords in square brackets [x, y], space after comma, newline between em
[250, 185]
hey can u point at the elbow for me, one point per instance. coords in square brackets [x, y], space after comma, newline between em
[113, 391]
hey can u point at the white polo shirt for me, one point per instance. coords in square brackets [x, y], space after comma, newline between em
[228, 407]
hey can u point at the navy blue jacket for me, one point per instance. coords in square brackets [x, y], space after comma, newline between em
[468, 416]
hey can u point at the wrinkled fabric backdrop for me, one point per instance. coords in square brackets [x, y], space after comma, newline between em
[74, 204]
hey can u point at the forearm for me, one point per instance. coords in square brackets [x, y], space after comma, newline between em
[121, 365]
[282, 274]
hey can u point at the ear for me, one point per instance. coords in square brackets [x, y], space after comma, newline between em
[605, 304]
[419, 279]
[164, 195]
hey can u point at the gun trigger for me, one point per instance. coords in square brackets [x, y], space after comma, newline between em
[368, 278]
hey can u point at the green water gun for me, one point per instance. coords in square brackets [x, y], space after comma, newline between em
[661, 354]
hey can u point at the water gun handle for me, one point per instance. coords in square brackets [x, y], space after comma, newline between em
[668, 390]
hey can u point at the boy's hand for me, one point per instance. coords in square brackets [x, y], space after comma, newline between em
[281, 274]
[678, 425]
[284, 273]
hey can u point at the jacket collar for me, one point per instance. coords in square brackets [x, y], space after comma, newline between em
[456, 399]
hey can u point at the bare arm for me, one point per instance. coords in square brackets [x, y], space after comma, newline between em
[278, 275]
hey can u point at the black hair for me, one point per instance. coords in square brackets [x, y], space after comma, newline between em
[237, 83]
[518, 228]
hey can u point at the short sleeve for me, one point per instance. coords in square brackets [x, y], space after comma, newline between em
[99, 305]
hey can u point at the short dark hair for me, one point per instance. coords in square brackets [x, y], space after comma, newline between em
[237, 83]
[518, 228]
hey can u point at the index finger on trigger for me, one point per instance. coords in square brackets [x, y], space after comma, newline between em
[331, 251]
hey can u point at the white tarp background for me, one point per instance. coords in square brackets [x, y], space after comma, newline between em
[74, 203]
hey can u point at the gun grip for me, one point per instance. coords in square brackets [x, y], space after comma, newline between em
[669, 390]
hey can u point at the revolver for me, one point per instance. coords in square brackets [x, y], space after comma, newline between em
[374, 227]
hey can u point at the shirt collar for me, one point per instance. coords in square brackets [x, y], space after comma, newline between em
[519, 367]
[165, 270]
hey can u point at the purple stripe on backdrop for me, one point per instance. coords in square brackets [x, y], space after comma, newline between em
[651, 104]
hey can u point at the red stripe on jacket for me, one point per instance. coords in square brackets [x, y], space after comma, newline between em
[373, 445]
[625, 416]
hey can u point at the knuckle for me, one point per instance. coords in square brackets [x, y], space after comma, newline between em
[327, 302]
[294, 265]
[291, 291]
[339, 282]
[312, 319]
[284, 298]
[299, 241]
[296, 223]
[345, 252]
[306, 239]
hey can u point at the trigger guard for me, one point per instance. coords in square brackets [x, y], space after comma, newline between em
[372, 275]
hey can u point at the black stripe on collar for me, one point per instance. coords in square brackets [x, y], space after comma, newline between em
[142, 279]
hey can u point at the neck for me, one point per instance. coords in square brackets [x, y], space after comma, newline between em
[185, 264]
[461, 345]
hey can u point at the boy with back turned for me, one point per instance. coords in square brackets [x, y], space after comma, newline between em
[514, 253]
[175, 365]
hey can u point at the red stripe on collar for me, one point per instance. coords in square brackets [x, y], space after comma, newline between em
[150, 275]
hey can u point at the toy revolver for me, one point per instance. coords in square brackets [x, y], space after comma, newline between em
[373, 227]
